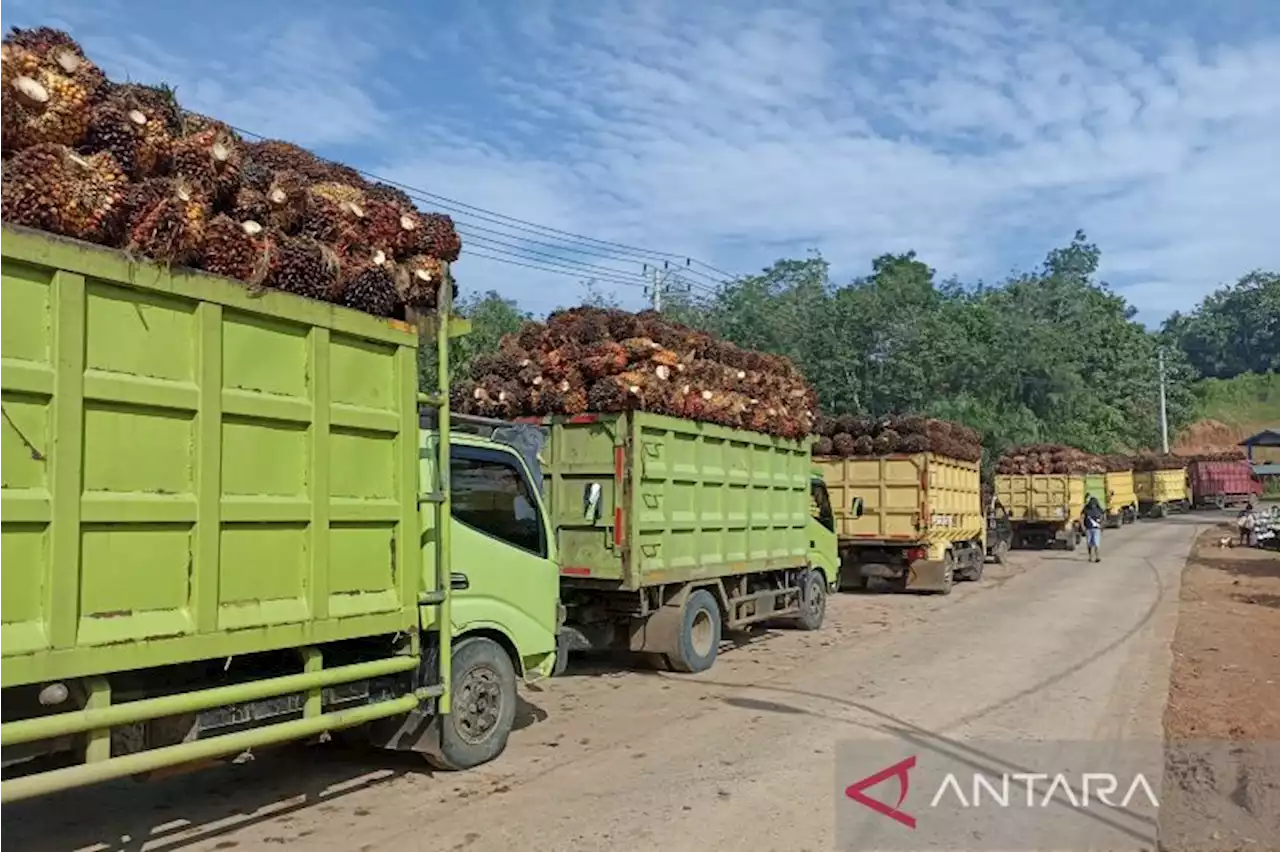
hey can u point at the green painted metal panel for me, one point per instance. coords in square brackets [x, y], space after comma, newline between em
[680, 500]
[1095, 485]
[192, 470]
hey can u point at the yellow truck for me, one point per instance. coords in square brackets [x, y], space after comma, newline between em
[1162, 491]
[1043, 508]
[913, 519]
[1122, 498]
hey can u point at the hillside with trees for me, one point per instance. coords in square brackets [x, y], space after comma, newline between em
[1053, 355]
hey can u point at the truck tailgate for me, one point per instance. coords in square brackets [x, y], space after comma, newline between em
[917, 497]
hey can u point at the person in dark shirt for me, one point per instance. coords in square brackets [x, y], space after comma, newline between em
[1091, 519]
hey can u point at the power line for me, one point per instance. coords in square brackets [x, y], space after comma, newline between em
[576, 273]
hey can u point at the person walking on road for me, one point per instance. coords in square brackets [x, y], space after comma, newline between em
[1091, 519]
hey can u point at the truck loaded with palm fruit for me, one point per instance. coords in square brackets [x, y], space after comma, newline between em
[1043, 488]
[1161, 484]
[678, 475]
[223, 526]
[907, 501]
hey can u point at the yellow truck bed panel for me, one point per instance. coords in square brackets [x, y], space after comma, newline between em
[1041, 497]
[920, 498]
[1161, 486]
[1120, 491]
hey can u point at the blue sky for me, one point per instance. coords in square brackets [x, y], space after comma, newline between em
[981, 134]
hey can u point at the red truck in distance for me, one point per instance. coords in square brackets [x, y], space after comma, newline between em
[1219, 484]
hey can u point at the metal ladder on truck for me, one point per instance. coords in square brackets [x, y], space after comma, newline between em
[435, 405]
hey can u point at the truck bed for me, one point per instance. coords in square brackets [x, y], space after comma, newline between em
[193, 471]
[679, 500]
[920, 498]
[1041, 498]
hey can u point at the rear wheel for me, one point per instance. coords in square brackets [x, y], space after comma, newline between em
[813, 601]
[1000, 553]
[697, 641]
[948, 573]
[484, 707]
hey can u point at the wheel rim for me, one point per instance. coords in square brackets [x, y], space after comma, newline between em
[702, 633]
[815, 599]
[477, 704]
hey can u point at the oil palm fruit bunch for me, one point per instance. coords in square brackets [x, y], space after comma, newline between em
[273, 155]
[304, 267]
[418, 280]
[440, 238]
[53, 188]
[210, 160]
[122, 133]
[368, 284]
[236, 250]
[40, 103]
[60, 52]
[336, 222]
[170, 227]
[391, 195]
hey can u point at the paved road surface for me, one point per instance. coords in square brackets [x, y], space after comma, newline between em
[740, 757]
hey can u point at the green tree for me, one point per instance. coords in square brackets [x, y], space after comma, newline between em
[1235, 330]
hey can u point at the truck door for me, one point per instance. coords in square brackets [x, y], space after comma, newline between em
[503, 575]
[823, 551]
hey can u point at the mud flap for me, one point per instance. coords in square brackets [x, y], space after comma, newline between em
[927, 575]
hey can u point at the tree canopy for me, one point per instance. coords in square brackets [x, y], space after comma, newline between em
[1235, 330]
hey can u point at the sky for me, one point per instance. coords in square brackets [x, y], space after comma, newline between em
[588, 139]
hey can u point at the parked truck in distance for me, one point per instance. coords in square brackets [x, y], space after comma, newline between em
[223, 529]
[671, 531]
[1122, 500]
[1043, 508]
[1220, 484]
[915, 520]
[1160, 492]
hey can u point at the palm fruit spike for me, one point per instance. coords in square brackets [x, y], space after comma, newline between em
[235, 250]
[304, 267]
[171, 229]
[209, 160]
[369, 286]
[42, 105]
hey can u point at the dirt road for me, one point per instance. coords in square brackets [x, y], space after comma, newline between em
[740, 757]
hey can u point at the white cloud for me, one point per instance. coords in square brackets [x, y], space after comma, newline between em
[979, 133]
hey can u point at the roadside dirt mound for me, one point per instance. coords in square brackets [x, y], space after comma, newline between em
[1207, 436]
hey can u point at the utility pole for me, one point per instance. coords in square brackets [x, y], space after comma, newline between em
[657, 281]
[1164, 413]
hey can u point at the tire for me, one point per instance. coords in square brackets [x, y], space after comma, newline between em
[1001, 552]
[698, 641]
[484, 707]
[813, 601]
[562, 660]
[1220, 502]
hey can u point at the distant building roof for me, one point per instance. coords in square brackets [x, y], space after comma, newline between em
[1269, 437]
[1271, 469]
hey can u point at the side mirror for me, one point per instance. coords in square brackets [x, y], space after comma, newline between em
[856, 507]
[591, 501]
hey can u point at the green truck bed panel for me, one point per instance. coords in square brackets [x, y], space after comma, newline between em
[191, 470]
[680, 500]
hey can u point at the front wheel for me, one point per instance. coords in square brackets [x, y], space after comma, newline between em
[813, 601]
[484, 707]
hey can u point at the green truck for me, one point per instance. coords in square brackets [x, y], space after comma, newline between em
[224, 528]
[671, 531]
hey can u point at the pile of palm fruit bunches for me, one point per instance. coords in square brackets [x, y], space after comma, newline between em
[1049, 458]
[601, 360]
[1159, 461]
[868, 436]
[123, 165]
